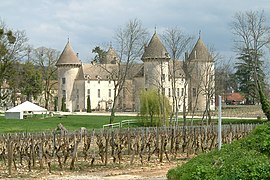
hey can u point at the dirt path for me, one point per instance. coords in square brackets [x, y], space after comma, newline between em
[154, 172]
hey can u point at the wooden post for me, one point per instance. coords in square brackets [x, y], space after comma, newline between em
[33, 152]
[72, 166]
[10, 156]
[161, 148]
[106, 147]
[128, 140]
[40, 148]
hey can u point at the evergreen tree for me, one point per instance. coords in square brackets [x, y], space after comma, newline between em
[88, 104]
[100, 54]
[264, 102]
[249, 71]
[55, 103]
[63, 104]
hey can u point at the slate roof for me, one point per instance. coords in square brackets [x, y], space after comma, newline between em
[68, 56]
[155, 49]
[200, 52]
[103, 71]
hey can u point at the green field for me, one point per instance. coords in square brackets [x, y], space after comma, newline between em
[75, 122]
[71, 122]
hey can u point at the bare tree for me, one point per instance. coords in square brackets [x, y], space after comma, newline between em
[45, 59]
[224, 77]
[130, 41]
[177, 43]
[250, 30]
[251, 37]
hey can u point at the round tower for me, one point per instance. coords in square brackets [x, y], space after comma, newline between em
[156, 64]
[201, 82]
[68, 66]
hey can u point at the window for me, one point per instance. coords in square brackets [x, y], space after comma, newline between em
[163, 90]
[182, 92]
[64, 92]
[169, 92]
[88, 92]
[110, 93]
[194, 93]
[63, 80]
[178, 92]
[163, 77]
[98, 93]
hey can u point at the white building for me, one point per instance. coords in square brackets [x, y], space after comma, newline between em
[77, 81]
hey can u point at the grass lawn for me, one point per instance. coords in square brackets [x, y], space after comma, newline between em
[75, 122]
[71, 122]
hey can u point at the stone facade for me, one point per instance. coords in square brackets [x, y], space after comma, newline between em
[77, 81]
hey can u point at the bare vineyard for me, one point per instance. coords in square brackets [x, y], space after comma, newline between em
[61, 150]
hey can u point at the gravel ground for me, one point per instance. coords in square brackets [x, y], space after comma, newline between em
[118, 177]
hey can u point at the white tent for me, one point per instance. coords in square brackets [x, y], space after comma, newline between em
[17, 112]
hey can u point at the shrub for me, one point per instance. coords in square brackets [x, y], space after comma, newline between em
[247, 158]
[88, 109]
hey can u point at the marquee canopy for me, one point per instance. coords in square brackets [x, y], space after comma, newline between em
[17, 111]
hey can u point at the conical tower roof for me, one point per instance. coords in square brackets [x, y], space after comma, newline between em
[200, 52]
[68, 56]
[155, 49]
[111, 56]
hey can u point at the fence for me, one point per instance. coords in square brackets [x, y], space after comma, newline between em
[120, 124]
[24, 152]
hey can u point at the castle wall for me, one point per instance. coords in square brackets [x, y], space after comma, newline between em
[138, 87]
[78, 96]
[100, 92]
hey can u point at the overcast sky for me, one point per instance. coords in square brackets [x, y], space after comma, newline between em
[90, 23]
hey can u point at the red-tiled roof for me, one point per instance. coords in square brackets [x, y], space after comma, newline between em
[237, 97]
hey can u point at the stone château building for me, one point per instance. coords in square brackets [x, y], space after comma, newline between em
[194, 79]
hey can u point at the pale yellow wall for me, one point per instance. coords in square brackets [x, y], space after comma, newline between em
[69, 73]
[104, 87]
